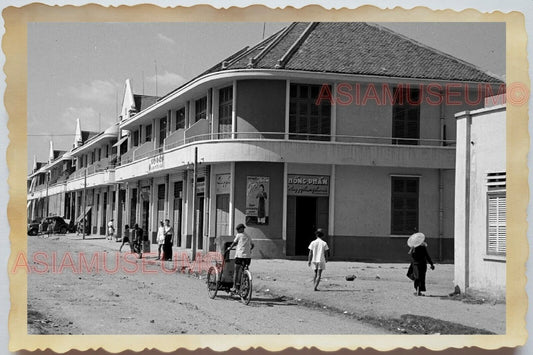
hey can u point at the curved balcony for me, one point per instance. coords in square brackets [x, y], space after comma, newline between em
[293, 148]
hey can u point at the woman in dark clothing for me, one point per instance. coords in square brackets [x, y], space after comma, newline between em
[167, 245]
[419, 267]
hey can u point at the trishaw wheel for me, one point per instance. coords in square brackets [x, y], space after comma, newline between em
[212, 282]
[246, 287]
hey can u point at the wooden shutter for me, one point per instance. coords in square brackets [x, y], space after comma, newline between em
[497, 224]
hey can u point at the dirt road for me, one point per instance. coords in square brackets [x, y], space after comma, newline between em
[75, 287]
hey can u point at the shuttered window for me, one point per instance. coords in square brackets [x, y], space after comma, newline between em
[201, 109]
[496, 213]
[225, 108]
[307, 119]
[180, 118]
[404, 205]
[406, 116]
[497, 225]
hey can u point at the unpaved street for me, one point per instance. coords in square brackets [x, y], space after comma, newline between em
[66, 296]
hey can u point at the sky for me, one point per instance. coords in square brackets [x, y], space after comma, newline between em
[78, 70]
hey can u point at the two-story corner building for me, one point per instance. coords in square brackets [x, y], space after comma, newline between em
[480, 200]
[348, 127]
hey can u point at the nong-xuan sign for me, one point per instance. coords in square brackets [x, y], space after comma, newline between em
[308, 185]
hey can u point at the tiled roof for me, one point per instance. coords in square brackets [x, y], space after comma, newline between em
[86, 135]
[353, 48]
[144, 101]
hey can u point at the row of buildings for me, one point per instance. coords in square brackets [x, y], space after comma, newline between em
[348, 127]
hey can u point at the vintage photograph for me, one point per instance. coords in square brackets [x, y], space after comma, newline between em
[266, 178]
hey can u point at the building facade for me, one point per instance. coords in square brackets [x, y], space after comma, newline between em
[481, 203]
[347, 127]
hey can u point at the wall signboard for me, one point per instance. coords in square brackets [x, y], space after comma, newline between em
[308, 185]
[223, 184]
[156, 162]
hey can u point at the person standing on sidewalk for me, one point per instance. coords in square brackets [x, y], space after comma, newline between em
[160, 238]
[317, 256]
[243, 254]
[126, 238]
[137, 238]
[110, 230]
[421, 258]
[167, 245]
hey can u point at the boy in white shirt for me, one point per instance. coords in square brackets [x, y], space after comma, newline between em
[317, 256]
[243, 253]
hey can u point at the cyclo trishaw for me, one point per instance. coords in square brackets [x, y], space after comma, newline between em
[220, 275]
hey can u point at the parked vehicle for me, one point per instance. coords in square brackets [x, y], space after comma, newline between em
[60, 226]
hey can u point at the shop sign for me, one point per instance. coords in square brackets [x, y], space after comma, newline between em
[200, 186]
[308, 185]
[156, 162]
[223, 184]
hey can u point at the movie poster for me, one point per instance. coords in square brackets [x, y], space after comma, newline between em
[257, 199]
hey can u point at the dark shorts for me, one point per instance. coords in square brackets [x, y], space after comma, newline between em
[243, 261]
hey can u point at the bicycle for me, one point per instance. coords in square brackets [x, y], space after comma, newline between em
[220, 277]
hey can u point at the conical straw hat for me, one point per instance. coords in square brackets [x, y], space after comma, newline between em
[416, 240]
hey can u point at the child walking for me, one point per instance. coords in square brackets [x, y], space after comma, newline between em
[317, 256]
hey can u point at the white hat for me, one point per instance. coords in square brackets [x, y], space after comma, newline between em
[416, 240]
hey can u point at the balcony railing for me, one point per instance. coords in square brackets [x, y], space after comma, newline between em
[341, 139]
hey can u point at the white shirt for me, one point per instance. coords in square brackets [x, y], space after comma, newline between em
[244, 245]
[160, 235]
[318, 247]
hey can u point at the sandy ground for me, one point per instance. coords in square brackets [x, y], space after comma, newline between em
[382, 292]
[144, 298]
[150, 297]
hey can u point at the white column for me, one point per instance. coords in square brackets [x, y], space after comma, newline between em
[331, 215]
[231, 200]
[462, 201]
[284, 212]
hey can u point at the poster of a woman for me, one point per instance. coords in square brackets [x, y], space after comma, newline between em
[257, 198]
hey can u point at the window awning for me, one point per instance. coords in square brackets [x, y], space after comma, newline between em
[120, 141]
[87, 210]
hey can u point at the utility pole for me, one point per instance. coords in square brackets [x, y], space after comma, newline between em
[194, 218]
[84, 201]
[47, 198]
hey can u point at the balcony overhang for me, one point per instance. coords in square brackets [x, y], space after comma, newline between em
[100, 178]
[290, 151]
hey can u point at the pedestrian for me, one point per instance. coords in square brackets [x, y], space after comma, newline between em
[167, 246]
[160, 238]
[243, 254]
[110, 230]
[420, 259]
[51, 225]
[137, 237]
[126, 238]
[317, 258]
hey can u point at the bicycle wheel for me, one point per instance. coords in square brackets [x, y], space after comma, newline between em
[246, 287]
[212, 282]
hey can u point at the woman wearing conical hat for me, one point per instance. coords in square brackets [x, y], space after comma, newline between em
[421, 258]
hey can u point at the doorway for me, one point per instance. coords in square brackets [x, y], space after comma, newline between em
[304, 215]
